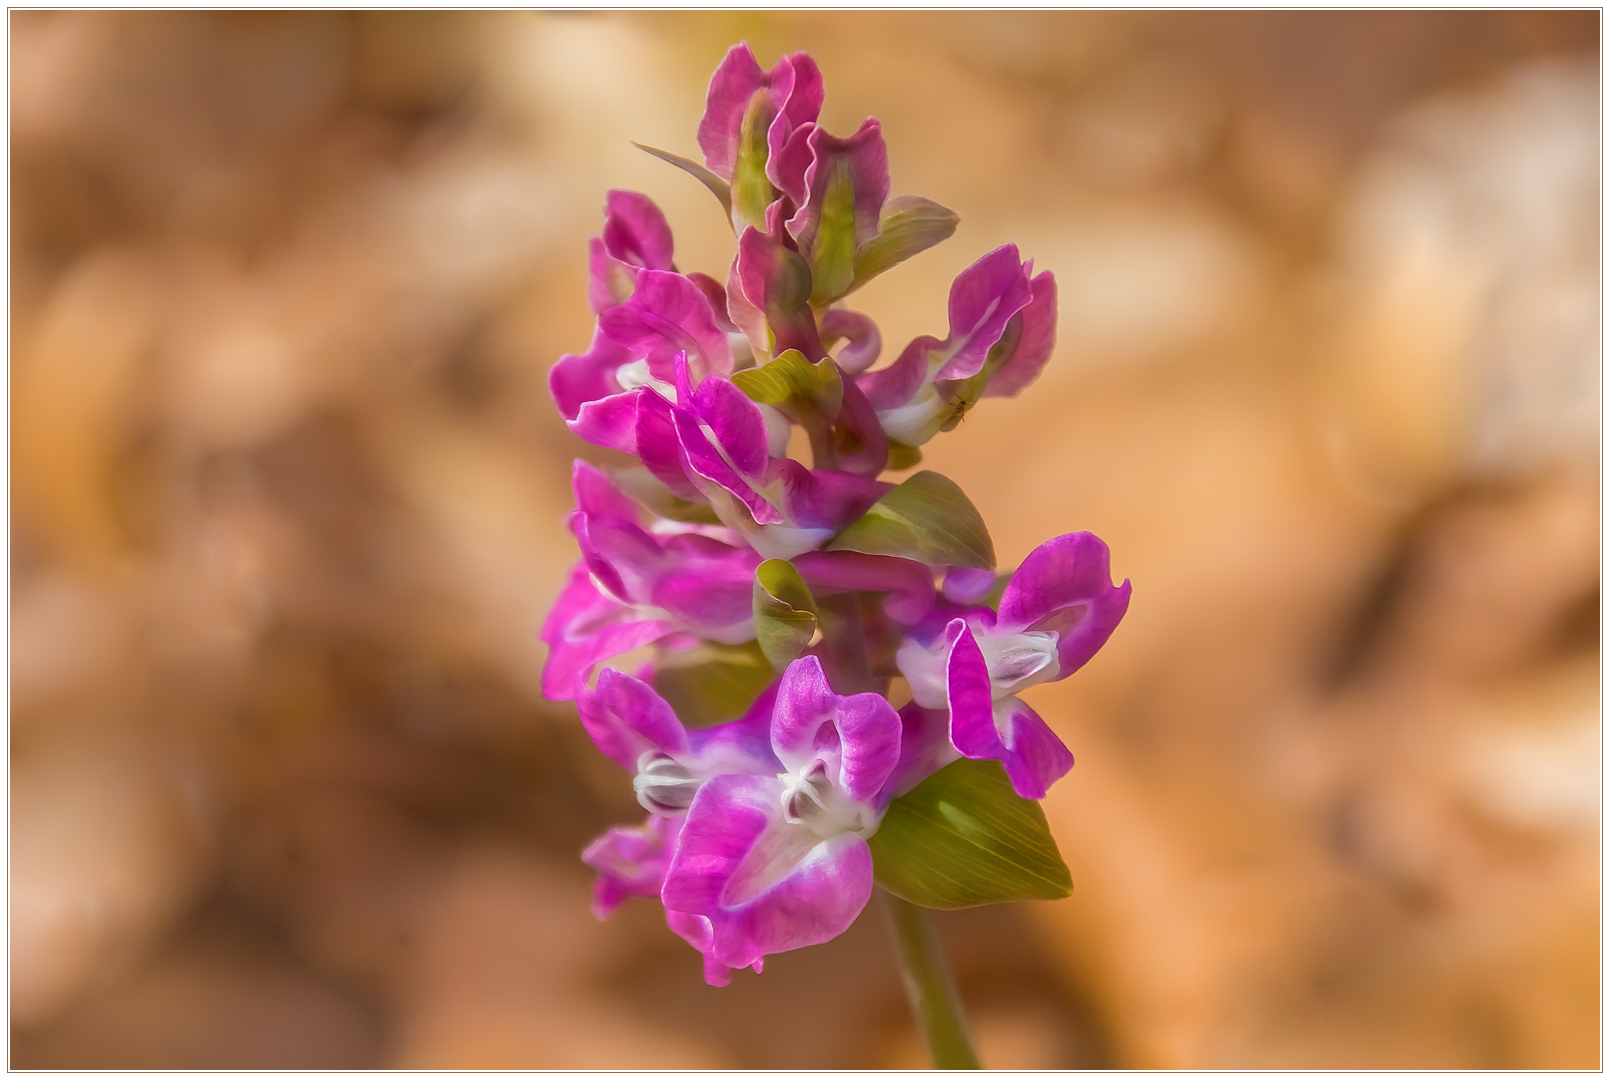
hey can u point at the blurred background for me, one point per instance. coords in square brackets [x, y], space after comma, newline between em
[288, 497]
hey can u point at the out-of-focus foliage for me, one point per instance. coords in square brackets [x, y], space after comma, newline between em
[287, 497]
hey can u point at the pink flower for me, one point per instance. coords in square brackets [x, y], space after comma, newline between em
[1058, 609]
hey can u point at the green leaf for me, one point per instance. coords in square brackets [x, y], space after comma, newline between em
[712, 683]
[928, 519]
[909, 225]
[963, 837]
[803, 390]
[785, 612]
[718, 187]
[646, 489]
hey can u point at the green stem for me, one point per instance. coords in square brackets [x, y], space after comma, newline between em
[929, 986]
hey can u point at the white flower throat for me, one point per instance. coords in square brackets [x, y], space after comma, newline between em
[1015, 661]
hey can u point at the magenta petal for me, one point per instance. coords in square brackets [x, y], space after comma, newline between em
[742, 745]
[610, 281]
[864, 445]
[857, 737]
[823, 499]
[1065, 585]
[967, 585]
[667, 315]
[983, 299]
[864, 342]
[702, 461]
[715, 602]
[796, 91]
[1034, 347]
[635, 237]
[768, 297]
[910, 584]
[635, 231]
[659, 447]
[622, 557]
[869, 748]
[893, 386]
[925, 748]
[734, 82]
[972, 705]
[596, 496]
[736, 423]
[735, 812]
[789, 162]
[630, 862]
[805, 701]
[801, 103]
[577, 379]
[1034, 757]
[864, 160]
[572, 660]
[603, 574]
[625, 718]
[765, 885]
[584, 627]
[696, 931]
[579, 610]
[610, 422]
[716, 294]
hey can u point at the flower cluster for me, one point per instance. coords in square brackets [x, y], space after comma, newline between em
[777, 603]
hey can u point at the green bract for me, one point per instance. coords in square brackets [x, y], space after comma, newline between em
[963, 837]
[712, 683]
[908, 226]
[929, 519]
[718, 187]
[785, 612]
[797, 387]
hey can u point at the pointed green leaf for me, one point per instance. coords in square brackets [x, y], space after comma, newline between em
[963, 837]
[712, 683]
[646, 489]
[785, 612]
[927, 518]
[800, 388]
[909, 225]
[718, 187]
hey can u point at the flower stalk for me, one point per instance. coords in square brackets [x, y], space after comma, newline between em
[930, 988]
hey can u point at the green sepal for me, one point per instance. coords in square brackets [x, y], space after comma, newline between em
[929, 519]
[786, 617]
[712, 683]
[908, 226]
[902, 456]
[963, 837]
[833, 253]
[718, 187]
[647, 490]
[796, 386]
[964, 394]
[752, 190]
